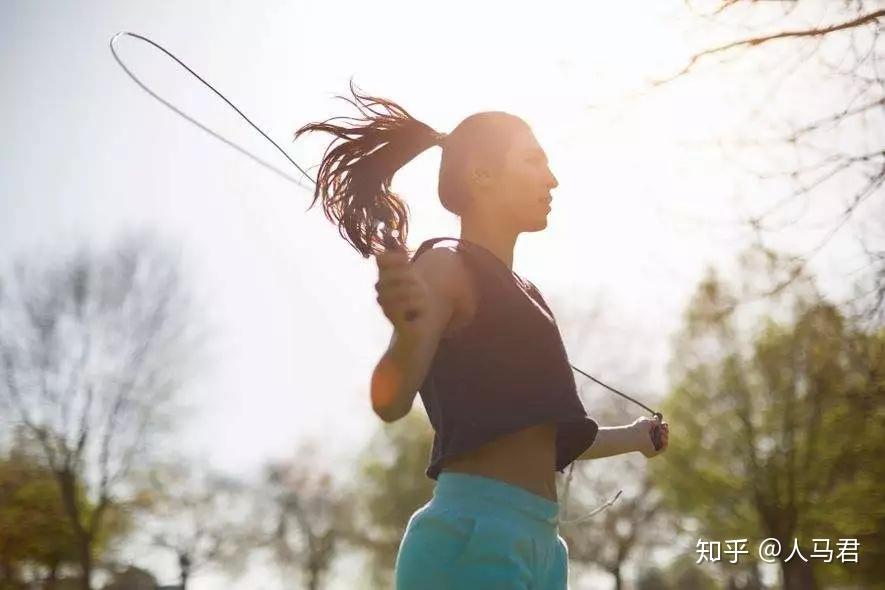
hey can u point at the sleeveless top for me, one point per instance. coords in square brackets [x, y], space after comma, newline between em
[504, 371]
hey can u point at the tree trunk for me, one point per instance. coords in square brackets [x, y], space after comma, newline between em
[51, 581]
[9, 573]
[68, 484]
[184, 568]
[798, 575]
[86, 564]
[314, 572]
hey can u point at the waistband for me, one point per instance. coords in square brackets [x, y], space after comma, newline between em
[483, 494]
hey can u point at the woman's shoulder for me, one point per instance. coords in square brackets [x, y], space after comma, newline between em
[433, 244]
[443, 267]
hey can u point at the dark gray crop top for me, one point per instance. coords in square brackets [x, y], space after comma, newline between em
[504, 371]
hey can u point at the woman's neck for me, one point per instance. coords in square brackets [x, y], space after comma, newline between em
[493, 238]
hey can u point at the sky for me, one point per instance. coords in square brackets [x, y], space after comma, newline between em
[645, 202]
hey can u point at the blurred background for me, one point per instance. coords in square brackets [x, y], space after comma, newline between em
[185, 350]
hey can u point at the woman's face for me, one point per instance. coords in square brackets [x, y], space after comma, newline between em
[520, 192]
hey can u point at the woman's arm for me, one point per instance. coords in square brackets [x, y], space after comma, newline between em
[611, 441]
[400, 372]
[617, 440]
[404, 365]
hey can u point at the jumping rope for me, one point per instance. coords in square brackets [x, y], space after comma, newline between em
[656, 431]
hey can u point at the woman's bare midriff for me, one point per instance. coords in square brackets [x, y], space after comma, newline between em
[526, 458]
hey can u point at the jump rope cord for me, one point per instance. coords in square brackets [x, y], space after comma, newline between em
[657, 415]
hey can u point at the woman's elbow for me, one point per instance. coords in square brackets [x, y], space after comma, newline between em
[390, 413]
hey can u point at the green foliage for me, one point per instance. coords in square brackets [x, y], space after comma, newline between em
[33, 527]
[685, 574]
[392, 485]
[651, 578]
[682, 574]
[782, 437]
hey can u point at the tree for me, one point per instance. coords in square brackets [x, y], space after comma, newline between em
[782, 422]
[131, 578]
[204, 517]
[390, 487]
[685, 574]
[33, 527]
[309, 515]
[834, 145]
[37, 541]
[92, 350]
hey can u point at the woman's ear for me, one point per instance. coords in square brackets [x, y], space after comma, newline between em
[481, 178]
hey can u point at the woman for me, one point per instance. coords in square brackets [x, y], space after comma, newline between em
[476, 340]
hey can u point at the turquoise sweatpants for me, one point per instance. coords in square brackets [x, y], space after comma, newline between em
[479, 532]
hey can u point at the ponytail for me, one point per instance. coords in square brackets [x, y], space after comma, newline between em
[354, 177]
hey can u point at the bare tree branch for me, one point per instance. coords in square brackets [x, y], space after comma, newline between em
[93, 350]
[756, 41]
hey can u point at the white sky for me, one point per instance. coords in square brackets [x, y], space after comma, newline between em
[639, 212]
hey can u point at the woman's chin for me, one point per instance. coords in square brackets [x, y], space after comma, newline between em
[539, 225]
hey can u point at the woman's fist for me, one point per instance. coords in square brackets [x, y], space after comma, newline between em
[645, 429]
[402, 293]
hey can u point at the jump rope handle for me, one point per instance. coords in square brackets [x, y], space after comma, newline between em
[656, 431]
[390, 244]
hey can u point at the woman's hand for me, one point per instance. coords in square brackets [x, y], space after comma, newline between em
[402, 293]
[644, 427]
